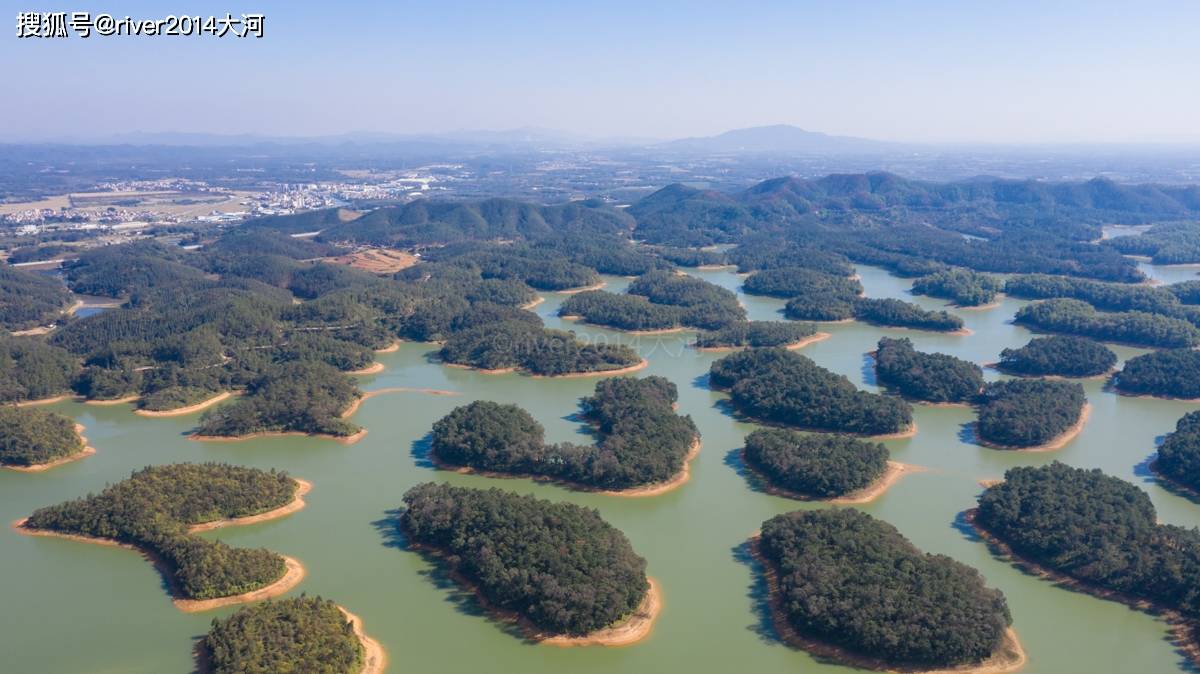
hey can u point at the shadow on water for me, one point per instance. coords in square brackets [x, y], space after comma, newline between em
[962, 526]
[759, 595]
[967, 434]
[868, 370]
[701, 382]
[439, 573]
[420, 451]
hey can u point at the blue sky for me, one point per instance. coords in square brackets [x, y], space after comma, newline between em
[962, 71]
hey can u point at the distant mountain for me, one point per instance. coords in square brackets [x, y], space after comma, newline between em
[777, 139]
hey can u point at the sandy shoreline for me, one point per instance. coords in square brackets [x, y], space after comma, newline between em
[598, 373]
[293, 573]
[370, 369]
[528, 306]
[640, 333]
[899, 435]
[1057, 442]
[180, 411]
[1180, 629]
[1009, 655]
[891, 475]
[374, 657]
[655, 489]
[390, 348]
[114, 401]
[291, 578]
[342, 439]
[47, 401]
[581, 289]
[297, 503]
[812, 339]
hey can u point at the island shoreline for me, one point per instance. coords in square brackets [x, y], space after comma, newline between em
[892, 474]
[1053, 444]
[62, 460]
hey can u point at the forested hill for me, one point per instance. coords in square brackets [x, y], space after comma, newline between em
[880, 218]
[426, 222]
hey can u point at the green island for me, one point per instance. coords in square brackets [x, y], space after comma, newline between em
[964, 287]
[789, 282]
[644, 445]
[885, 312]
[1171, 242]
[1137, 328]
[755, 334]
[556, 569]
[1097, 534]
[300, 634]
[845, 585]
[1178, 458]
[659, 300]
[814, 465]
[31, 370]
[298, 397]
[523, 347]
[33, 437]
[1115, 297]
[1171, 373]
[783, 387]
[929, 377]
[1058, 356]
[1030, 414]
[155, 509]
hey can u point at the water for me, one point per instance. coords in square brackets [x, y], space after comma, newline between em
[73, 607]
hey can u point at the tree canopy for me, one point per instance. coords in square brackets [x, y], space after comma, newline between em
[154, 507]
[964, 287]
[558, 565]
[32, 436]
[1171, 373]
[783, 387]
[932, 377]
[1059, 355]
[815, 465]
[300, 634]
[851, 580]
[1028, 412]
[756, 334]
[1139, 328]
[1179, 454]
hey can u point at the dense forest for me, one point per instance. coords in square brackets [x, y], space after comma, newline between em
[788, 282]
[658, 300]
[783, 387]
[1104, 296]
[300, 634]
[756, 334]
[961, 286]
[932, 377]
[1172, 373]
[154, 507]
[848, 579]
[815, 465]
[302, 396]
[532, 349]
[1179, 454]
[557, 565]
[1058, 355]
[1095, 528]
[1138, 328]
[28, 299]
[1165, 243]
[31, 370]
[642, 439]
[896, 313]
[1028, 412]
[32, 436]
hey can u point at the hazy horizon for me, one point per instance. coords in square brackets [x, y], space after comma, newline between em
[930, 72]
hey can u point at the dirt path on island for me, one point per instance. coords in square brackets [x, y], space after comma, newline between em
[1009, 655]
[40, 467]
[180, 411]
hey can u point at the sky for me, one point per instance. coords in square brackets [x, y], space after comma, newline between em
[960, 71]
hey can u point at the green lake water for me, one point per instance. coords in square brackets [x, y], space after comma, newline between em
[74, 607]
